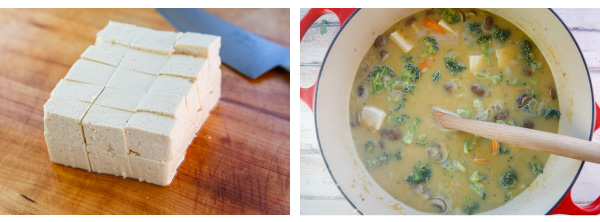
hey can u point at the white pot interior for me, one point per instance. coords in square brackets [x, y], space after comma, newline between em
[335, 83]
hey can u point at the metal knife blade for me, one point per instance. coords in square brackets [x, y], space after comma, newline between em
[244, 51]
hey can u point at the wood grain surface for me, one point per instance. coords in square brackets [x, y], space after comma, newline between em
[320, 195]
[239, 162]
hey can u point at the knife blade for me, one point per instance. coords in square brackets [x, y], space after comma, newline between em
[242, 50]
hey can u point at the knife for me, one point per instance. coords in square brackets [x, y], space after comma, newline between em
[244, 51]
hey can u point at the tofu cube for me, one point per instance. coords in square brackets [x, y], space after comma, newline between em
[90, 72]
[129, 79]
[403, 43]
[172, 85]
[117, 32]
[477, 63]
[84, 92]
[63, 131]
[156, 136]
[186, 66]
[153, 171]
[107, 53]
[111, 163]
[196, 44]
[146, 62]
[165, 104]
[105, 130]
[372, 117]
[121, 99]
[446, 26]
[155, 41]
[507, 56]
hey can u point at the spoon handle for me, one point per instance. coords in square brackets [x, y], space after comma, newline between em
[527, 138]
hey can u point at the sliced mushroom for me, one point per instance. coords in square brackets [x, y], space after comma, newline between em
[355, 120]
[523, 99]
[528, 124]
[527, 72]
[488, 22]
[432, 153]
[501, 115]
[380, 41]
[361, 92]
[410, 21]
[381, 144]
[449, 87]
[443, 154]
[478, 90]
[463, 17]
[390, 134]
[437, 152]
[383, 55]
[423, 191]
[552, 92]
[439, 203]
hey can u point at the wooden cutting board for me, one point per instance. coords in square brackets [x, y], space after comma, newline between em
[239, 162]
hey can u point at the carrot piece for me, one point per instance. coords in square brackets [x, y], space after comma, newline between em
[434, 26]
[481, 160]
[519, 89]
[425, 63]
[495, 146]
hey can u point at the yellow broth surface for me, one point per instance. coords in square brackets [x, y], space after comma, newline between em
[510, 72]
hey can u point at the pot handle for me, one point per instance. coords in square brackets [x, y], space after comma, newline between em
[307, 95]
[566, 205]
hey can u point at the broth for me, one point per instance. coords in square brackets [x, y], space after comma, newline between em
[440, 171]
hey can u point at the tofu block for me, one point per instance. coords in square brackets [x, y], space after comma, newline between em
[446, 26]
[156, 136]
[372, 117]
[152, 171]
[172, 85]
[146, 62]
[84, 92]
[111, 163]
[403, 43]
[122, 99]
[186, 66]
[164, 104]
[117, 32]
[155, 41]
[105, 130]
[105, 52]
[90, 72]
[196, 44]
[215, 64]
[63, 131]
[129, 79]
[477, 63]
[507, 56]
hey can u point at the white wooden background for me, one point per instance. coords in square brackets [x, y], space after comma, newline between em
[319, 195]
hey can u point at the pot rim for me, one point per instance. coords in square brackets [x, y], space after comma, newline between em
[317, 125]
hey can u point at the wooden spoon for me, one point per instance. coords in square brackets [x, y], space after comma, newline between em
[527, 138]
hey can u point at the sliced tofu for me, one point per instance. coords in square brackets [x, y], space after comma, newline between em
[111, 163]
[173, 85]
[214, 65]
[155, 41]
[156, 136]
[129, 79]
[117, 32]
[507, 56]
[196, 44]
[165, 104]
[186, 66]
[446, 26]
[477, 63]
[121, 99]
[142, 61]
[84, 92]
[372, 117]
[403, 43]
[63, 131]
[90, 72]
[152, 171]
[105, 52]
[105, 130]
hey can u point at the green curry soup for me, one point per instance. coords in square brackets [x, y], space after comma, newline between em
[467, 61]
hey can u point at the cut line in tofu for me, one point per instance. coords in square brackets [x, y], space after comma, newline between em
[104, 130]
[173, 85]
[117, 32]
[164, 104]
[197, 44]
[372, 117]
[129, 79]
[152, 171]
[155, 41]
[142, 61]
[90, 72]
[107, 53]
[111, 163]
[186, 66]
[84, 92]
[403, 43]
[157, 137]
[122, 99]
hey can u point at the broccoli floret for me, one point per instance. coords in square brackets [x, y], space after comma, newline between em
[399, 107]
[527, 52]
[471, 208]
[467, 147]
[450, 15]
[501, 34]
[411, 74]
[436, 76]
[552, 113]
[431, 46]
[484, 41]
[537, 168]
[401, 118]
[475, 177]
[421, 140]
[474, 28]
[408, 137]
[420, 175]
[509, 180]
[453, 64]
[370, 145]
[382, 159]
[408, 58]
[398, 155]
[378, 77]
[408, 89]
[504, 150]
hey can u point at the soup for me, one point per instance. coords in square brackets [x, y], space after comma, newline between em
[466, 61]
